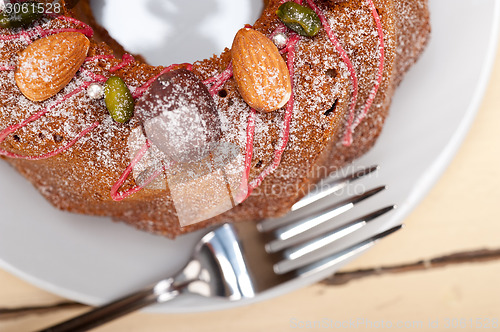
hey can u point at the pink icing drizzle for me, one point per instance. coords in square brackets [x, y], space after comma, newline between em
[52, 153]
[352, 121]
[221, 79]
[118, 196]
[11, 129]
[380, 72]
[39, 31]
[127, 59]
[285, 132]
[95, 77]
[115, 195]
[248, 154]
[280, 29]
[140, 91]
[297, 1]
[87, 30]
[218, 81]
[350, 67]
[99, 57]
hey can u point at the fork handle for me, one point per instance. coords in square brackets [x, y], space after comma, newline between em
[161, 292]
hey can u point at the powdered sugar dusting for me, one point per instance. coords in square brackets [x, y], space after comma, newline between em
[100, 159]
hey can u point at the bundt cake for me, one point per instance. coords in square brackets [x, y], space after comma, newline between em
[240, 136]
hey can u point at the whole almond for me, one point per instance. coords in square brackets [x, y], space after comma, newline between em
[260, 72]
[47, 65]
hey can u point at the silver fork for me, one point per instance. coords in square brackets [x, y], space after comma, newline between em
[237, 265]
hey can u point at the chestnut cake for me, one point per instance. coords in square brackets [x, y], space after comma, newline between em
[240, 136]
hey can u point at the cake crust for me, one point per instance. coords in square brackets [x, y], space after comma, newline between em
[80, 178]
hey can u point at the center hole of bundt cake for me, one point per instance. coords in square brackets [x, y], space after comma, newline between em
[175, 31]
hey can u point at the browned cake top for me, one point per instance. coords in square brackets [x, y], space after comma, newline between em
[329, 82]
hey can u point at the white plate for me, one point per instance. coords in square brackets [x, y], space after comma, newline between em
[93, 260]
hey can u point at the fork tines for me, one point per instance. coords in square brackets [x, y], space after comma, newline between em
[331, 185]
[304, 244]
[324, 263]
[316, 250]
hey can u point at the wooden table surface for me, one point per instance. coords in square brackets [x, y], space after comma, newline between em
[441, 273]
